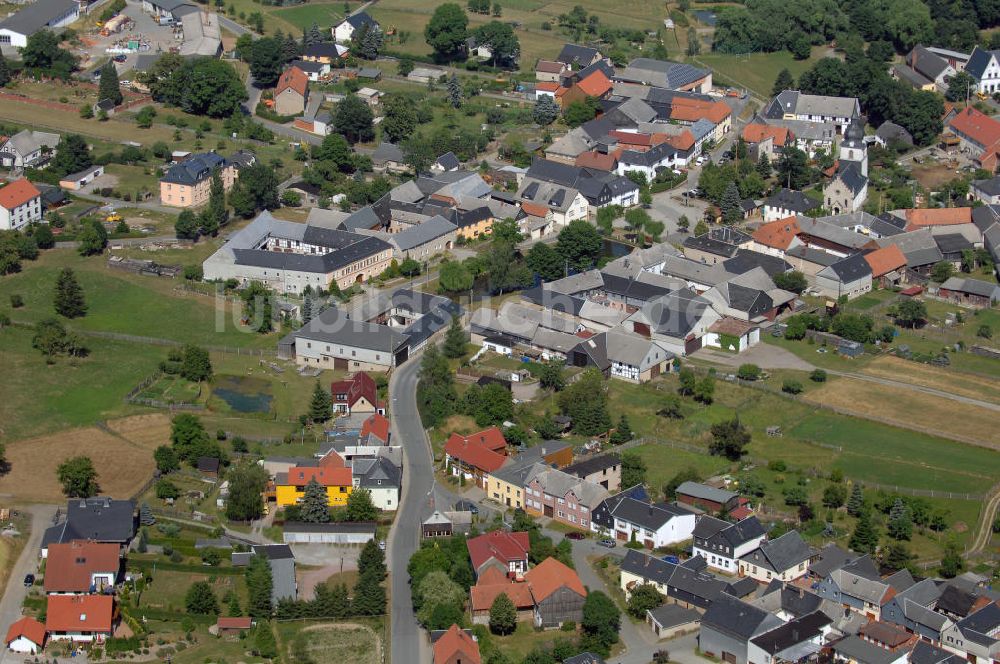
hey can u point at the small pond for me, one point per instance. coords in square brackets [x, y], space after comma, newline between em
[705, 16]
[244, 394]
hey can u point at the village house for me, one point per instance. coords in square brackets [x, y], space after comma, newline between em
[502, 550]
[475, 456]
[788, 203]
[489, 585]
[28, 149]
[357, 394]
[330, 472]
[858, 587]
[984, 67]
[603, 469]
[82, 567]
[728, 626]
[20, 205]
[506, 485]
[978, 134]
[343, 32]
[723, 544]
[766, 140]
[80, 618]
[291, 92]
[188, 183]
[785, 559]
[557, 592]
[795, 105]
[652, 525]
[563, 497]
[97, 519]
[924, 70]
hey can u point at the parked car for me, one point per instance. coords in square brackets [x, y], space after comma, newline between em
[466, 506]
[29, 580]
[381, 545]
[575, 536]
[608, 543]
[672, 559]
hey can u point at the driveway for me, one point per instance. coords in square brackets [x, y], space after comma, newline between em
[764, 355]
[27, 563]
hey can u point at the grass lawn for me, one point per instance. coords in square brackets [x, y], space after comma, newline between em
[303, 16]
[168, 588]
[524, 640]
[876, 452]
[127, 303]
[36, 398]
[757, 71]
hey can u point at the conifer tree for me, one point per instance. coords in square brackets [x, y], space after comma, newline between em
[109, 87]
[68, 299]
[865, 537]
[900, 521]
[4, 72]
[857, 500]
[314, 507]
[454, 341]
[454, 91]
[321, 406]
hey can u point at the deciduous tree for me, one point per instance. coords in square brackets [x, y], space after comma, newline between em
[78, 477]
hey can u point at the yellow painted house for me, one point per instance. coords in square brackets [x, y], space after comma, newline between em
[330, 472]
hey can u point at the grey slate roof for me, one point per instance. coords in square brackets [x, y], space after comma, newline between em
[422, 233]
[101, 519]
[925, 653]
[780, 554]
[388, 152]
[798, 103]
[194, 169]
[674, 615]
[978, 61]
[38, 15]
[831, 557]
[649, 516]
[747, 259]
[574, 54]
[360, 19]
[792, 633]
[650, 568]
[850, 174]
[854, 648]
[972, 287]
[850, 269]
[377, 473]
[705, 492]
[333, 325]
[789, 199]
[593, 465]
[733, 617]
[675, 314]
[584, 658]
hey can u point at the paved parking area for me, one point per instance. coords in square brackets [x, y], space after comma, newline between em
[161, 38]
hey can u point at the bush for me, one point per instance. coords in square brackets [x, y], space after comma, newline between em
[818, 376]
[791, 386]
[748, 372]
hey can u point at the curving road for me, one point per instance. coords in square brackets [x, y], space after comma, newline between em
[408, 642]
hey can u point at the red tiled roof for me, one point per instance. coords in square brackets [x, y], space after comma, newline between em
[27, 627]
[755, 133]
[244, 622]
[499, 544]
[681, 141]
[293, 78]
[692, 110]
[18, 193]
[331, 471]
[595, 85]
[70, 566]
[599, 160]
[79, 613]
[885, 260]
[457, 645]
[546, 86]
[777, 234]
[492, 439]
[549, 576]
[921, 217]
[378, 426]
[534, 209]
[977, 126]
[630, 138]
[481, 595]
[731, 326]
[357, 386]
[473, 454]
